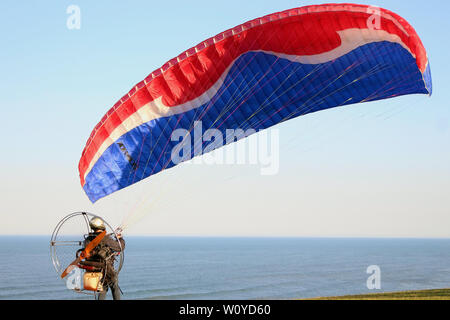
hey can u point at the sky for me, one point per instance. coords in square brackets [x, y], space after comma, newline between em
[379, 169]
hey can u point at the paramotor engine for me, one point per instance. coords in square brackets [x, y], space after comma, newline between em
[69, 245]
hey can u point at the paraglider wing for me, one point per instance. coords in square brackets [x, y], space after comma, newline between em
[255, 75]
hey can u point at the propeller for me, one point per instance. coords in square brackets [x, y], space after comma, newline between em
[86, 253]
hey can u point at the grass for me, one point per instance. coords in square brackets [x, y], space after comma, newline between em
[436, 294]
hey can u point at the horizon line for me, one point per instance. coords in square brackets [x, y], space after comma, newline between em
[255, 237]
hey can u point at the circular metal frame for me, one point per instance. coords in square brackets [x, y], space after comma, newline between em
[54, 242]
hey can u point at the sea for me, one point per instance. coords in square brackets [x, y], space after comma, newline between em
[199, 268]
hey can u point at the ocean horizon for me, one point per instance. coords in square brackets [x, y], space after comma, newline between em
[234, 268]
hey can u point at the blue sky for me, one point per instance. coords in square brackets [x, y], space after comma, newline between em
[381, 169]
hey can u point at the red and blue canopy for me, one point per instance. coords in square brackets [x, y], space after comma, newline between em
[256, 75]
